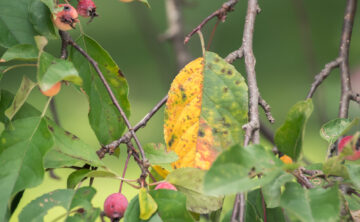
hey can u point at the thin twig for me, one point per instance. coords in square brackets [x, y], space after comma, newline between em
[267, 109]
[319, 78]
[109, 90]
[237, 54]
[110, 148]
[220, 13]
[125, 168]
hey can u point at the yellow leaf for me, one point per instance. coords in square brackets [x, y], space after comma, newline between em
[205, 111]
[148, 206]
[161, 171]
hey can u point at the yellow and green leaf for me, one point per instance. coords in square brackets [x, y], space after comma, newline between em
[205, 111]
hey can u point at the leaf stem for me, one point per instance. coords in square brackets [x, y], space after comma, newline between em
[46, 107]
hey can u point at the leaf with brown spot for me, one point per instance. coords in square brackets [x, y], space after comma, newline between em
[205, 111]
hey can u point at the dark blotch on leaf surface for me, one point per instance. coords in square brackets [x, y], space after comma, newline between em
[201, 133]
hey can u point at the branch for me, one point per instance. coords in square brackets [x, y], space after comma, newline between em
[175, 31]
[252, 127]
[110, 148]
[237, 54]
[319, 78]
[220, 13]
[108, 89]
[344, 53]
[267, 109]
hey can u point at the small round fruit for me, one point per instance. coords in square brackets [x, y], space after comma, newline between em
[86, 8]
[286, 159]
[356, 149]
[67, 18]
[115, 205]
[165, 185]
[55, 89]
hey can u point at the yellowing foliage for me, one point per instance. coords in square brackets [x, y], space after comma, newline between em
[206, 108]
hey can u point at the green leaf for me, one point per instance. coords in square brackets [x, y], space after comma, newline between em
[272, 191]
[6, 98]
[104, 118]
[69, 148]
[235, 170]
[190, 182]
[354, 174]
[22, 149]
[157, 154]
[254, 207]
[21, 95]
[288, 138]
[25, 52]
[39, 17]
[171, 207]
[89, 216]
[316, 204]
[21, 21]
[334, 165]
[52, 70]
[333, 129]
[353, 202]
[67, 198]
[325, 204]
[294, 200]
[147, 204]
[77, 176]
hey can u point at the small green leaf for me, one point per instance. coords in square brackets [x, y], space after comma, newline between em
[333, 129]
[77, 176]
[66, 198]
[52, 70]
[334, 165]
[288, 138]
[147, 204]
[190, 182]
[354, 174]
[25, 52]
[40, 18]
[157, 154]
[171, 205]
[272, 191]
[237, 169]
[21, 95]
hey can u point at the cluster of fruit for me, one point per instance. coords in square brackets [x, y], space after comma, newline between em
[67, 17]
[115, 205]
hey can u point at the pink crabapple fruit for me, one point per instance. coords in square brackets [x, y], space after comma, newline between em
[67, 18]
[87, 8]
[356, 149]
[165, 185]
[115, 205]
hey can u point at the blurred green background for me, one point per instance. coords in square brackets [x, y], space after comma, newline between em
[293, 40]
